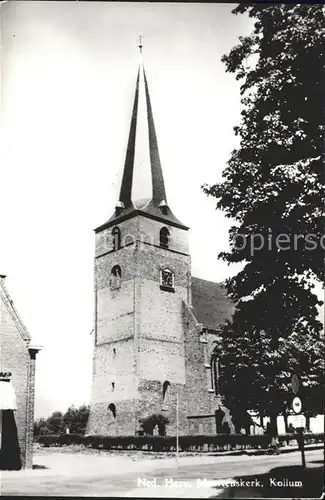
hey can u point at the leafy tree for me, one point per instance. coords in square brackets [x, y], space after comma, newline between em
[149, 423]
[38, 427]
[273, 188]
[74, 418]
[54, 423]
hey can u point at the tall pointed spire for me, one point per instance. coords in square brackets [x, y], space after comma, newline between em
[142, 188]
[126, 186]
[158, 185]
[149, 144]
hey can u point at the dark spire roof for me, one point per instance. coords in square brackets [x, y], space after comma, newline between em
[154, 205]
[158, 185]
[126, 186]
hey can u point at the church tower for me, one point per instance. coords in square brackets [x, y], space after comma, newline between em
[142, 280]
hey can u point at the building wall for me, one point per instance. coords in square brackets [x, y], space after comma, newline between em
[159, 324]
[104, 239]
[150, 232]
[159, 320]
[117, 368]
[115, 311]
[15, 358]
[30, 411]
[114, 359]
[143, 229]
[143, 323]
[202, 402]
[154, 333]
[151, 401]
[102, 422]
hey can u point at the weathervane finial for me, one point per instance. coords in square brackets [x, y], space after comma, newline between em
[140, 44]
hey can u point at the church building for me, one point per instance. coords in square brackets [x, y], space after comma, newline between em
[17, 386]
[156, 326]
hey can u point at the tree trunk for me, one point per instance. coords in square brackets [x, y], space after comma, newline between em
[274, 425]
[285, 416]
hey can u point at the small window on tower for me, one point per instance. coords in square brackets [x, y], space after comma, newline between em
[112, 409]
[164, 237]
[166, 384]
[115, 279]
[167, 280]
[113, 386]
[116, 238]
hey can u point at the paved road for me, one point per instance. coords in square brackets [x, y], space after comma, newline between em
[116, 476]
[218, 475]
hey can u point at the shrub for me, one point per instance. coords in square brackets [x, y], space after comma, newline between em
[218, 442]
[68, 439]
[149, 423]
[49, 440]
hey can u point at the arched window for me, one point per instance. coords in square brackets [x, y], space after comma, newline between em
[115, 279]
[166, 384]
[215, 370]
[116, 238]
[112, 409]
[164, 237]
[116, 271]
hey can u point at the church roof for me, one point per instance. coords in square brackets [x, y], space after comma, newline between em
[8, 303]
[211, 306]
[142, 162]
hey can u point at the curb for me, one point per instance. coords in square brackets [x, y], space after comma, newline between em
[268, 451]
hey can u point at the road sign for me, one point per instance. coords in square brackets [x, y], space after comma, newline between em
[296, 405]
[295, 383]
[298, 421]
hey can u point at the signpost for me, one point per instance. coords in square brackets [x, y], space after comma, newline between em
[295, 383]
[177, 434]
[296, 405]
[299, 419]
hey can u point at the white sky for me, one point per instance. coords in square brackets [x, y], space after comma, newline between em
[68, 80]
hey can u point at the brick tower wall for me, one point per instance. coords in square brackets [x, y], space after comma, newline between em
[202, 402]
[159, 326]
[142, 323]
[15, 358]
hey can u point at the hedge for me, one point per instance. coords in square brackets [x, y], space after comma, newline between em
[60, 439]
[219, 442]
